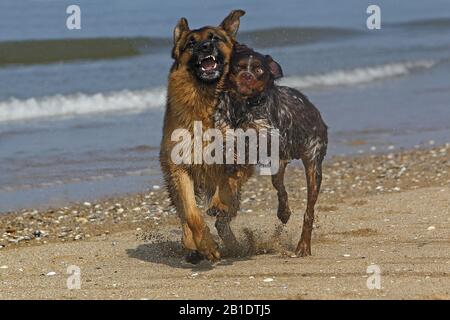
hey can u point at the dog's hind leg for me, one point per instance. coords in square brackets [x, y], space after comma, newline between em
[284, 212]
[223, 227]
[229, 198]
[229, 194]
[216, 205]
[225, 204]
[221, 210]
[313, 170]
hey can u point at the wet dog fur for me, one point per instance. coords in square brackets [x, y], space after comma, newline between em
[251, 99]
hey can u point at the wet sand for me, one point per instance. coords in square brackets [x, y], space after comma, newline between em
[391, 210]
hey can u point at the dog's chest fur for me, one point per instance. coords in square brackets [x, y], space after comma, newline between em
[189, 101]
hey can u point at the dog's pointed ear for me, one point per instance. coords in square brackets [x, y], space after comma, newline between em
[275, 68]
[181, 27]
[231, 23]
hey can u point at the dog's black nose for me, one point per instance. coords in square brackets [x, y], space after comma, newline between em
[247, 76]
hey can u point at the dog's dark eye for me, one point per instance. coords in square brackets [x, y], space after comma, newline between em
[191, 43]
[259, 71]
[213, 37]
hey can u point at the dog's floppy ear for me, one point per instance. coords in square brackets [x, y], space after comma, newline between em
[231, 23]
[181, 27]
[275, 68]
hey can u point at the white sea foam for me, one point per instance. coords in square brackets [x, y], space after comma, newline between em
[357, 75]
[64, 106]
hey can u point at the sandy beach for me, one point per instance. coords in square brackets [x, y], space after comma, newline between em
[388, 210]
[83, 94]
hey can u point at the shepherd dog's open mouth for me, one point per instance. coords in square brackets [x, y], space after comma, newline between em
[209, 67]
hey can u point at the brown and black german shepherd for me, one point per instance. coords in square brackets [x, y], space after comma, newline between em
[202, 59]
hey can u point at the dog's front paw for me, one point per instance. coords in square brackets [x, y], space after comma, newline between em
[284, 213]
[207, 246]
[194, 257]
[303, 249]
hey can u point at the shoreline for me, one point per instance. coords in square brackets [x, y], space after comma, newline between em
[344, 177]
[386, 211]
[391, 211]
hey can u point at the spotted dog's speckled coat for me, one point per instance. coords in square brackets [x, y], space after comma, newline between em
[253, 100]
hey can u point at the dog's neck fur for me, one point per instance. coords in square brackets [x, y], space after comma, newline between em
[238, 111]
[250, 102]
[256, 101]
[191, 100]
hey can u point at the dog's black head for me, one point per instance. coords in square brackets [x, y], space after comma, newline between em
[251, 73]
[206, 52]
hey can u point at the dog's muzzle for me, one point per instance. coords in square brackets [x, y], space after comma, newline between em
[208, 65]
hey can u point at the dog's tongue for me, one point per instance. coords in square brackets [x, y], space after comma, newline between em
[208, 64]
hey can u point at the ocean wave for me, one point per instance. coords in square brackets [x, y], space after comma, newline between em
[26, 52]
[356, 76]
[64, 106]
[29, 52]
[438, 23]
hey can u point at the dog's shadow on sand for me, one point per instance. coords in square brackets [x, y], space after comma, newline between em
[172, 254]
[161, 249]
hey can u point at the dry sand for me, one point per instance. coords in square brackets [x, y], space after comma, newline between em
[372, 211]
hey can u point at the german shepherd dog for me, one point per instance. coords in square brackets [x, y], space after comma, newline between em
[251, 99]
[201, 63]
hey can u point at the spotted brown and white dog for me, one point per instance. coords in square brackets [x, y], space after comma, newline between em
[251, 99]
